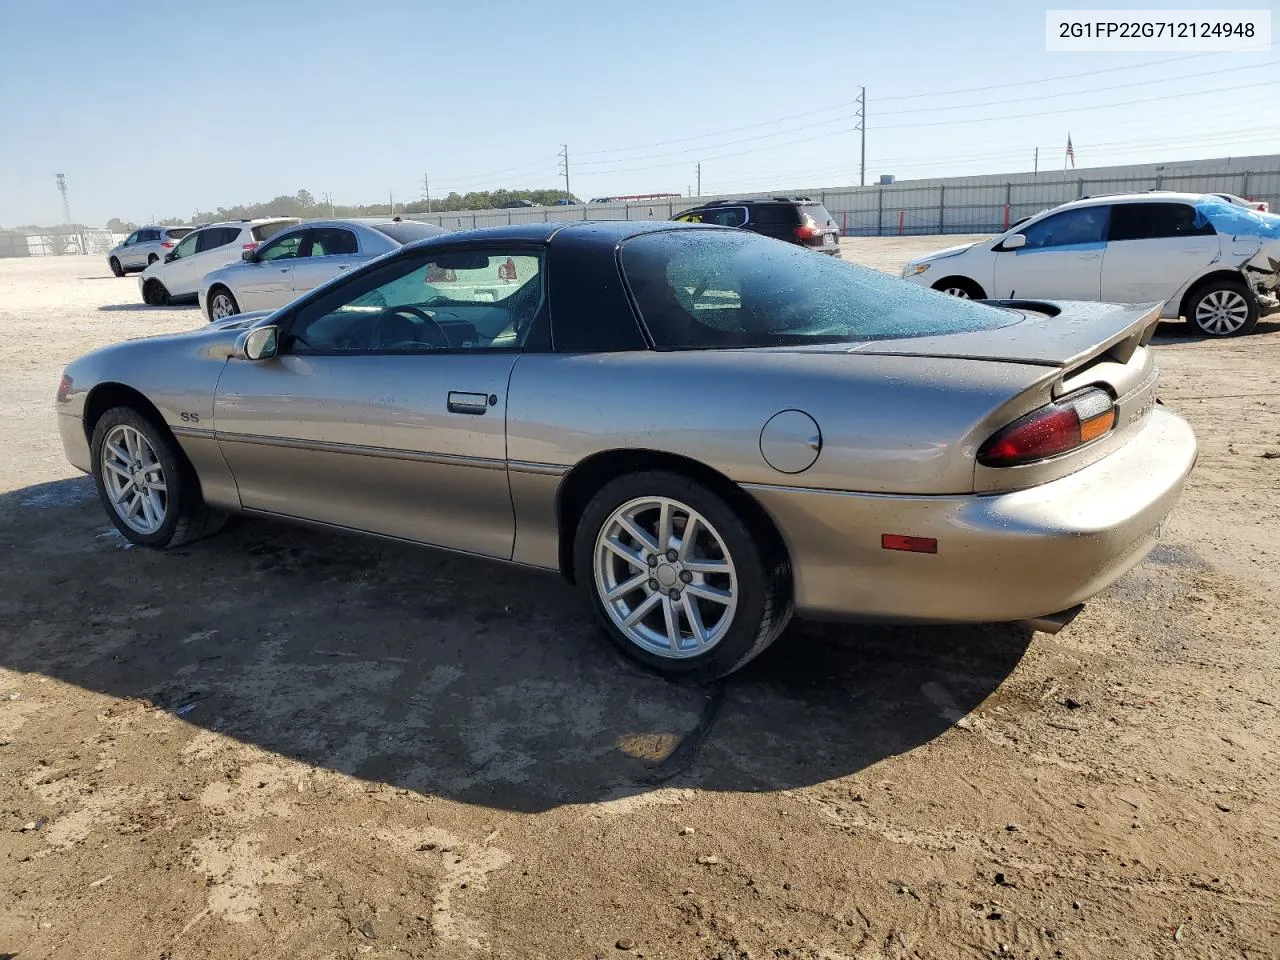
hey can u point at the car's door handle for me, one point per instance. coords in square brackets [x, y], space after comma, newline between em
[284, 269]
[343, 266]
[473, 403]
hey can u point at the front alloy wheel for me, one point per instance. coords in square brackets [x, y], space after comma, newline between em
[960, 292]
[134, 479]
[665, 577]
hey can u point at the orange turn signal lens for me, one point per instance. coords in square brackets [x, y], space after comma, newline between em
[1095, 427]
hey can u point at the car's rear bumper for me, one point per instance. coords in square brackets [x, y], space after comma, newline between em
[1009, 556]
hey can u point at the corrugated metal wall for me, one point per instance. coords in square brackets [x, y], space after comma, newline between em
[982, 204]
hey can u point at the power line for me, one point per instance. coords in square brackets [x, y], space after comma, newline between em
[1042, 113]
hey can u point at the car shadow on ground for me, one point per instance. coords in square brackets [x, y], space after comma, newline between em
[1177, 331]
[112, 307]
[450, 675]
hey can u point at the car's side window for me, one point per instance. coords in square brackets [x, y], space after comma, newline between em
[282, 248]
[461, 300]
[1155, 221]
[132, 238]
[1069, 228]
[330, 242]
[187, 246]
[214, 238]
[726, 216]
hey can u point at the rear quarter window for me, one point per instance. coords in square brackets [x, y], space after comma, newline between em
[264, 230]
[775, 215]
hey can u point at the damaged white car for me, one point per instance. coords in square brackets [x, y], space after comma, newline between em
[1216, 264]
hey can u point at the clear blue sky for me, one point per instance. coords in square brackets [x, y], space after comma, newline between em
[162, 108]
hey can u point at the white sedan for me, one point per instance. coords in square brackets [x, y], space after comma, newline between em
[298, 259]
[1206, 260]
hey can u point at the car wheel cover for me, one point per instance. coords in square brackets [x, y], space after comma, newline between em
[1222, 312]
[665, 577]
[221, 307]
[960, 292]
[134, 479]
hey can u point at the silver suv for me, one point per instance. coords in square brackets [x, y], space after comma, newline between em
[144, 247]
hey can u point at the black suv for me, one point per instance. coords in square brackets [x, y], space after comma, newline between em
[794, 219]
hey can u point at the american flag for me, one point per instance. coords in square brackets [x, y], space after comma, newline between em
[1071, 152]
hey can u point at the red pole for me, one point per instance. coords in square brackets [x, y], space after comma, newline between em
[1006, 216]
[901, 216]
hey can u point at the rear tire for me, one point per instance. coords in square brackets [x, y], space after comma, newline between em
[222, 304]
[135, 459]
[1223, 308]
[728, 577]
[961, 287]
[155, 294]
[116, 268]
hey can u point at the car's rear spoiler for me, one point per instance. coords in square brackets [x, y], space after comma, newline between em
[1052, 333]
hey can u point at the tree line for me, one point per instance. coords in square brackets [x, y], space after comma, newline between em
[304, 205]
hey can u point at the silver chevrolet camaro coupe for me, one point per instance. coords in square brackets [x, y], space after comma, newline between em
[706, 429]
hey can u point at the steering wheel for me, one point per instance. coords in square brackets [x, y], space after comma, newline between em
[438, 336]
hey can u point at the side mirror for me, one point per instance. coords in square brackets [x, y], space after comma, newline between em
[1014, 242]
[250, 256]
[170, 257]
[257, 344]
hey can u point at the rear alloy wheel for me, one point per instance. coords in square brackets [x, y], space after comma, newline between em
[145, 483]
[222, 304]
[1224, 308]
[115, 267]
[677, 579]
[155, 294]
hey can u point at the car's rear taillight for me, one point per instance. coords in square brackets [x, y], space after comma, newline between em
[807, 230]
[167, 245]
[1073, 421]
[64, 388]
[250, 246]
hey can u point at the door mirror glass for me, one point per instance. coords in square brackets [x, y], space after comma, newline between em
[257, 344]
[170, 257]
[1015, 242]
[250, 256]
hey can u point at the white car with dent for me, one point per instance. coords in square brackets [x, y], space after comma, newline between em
[1126, 248]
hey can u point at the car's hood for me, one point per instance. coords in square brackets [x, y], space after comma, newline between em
[1049, 333]
[944, 253]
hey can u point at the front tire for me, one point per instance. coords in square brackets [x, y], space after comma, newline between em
[677, 578]
[116, 268]
[1223, 308]
[222, 304]
[146, 485]
[155, 294]
[960, 287]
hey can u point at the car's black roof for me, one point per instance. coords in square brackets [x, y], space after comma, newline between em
[603, 231]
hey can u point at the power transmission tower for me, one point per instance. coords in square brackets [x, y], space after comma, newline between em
[426, 190]
[862, 128]
[62, 188]
[699, 178]
[564, 163]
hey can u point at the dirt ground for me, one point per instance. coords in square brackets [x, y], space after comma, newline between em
[281, 743]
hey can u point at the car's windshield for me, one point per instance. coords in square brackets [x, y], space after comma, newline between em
[700, 289]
